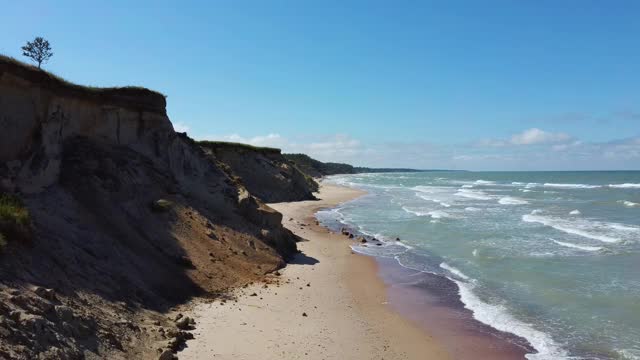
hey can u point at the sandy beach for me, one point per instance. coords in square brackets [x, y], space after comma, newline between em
[328, 303]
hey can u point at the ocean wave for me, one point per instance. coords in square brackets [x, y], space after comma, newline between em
[471, 208]
[454, 271]
[596, 230]
[427, 198]
[572, 186]
[473, 194]
[466, 186]
[484, 182]
[430, 189]
[508, 200]
[434, 214]
[631, 354]
[623, 227]
[498, 317]
[625, 186]
[415, 212]
[388, 251]
[576, 246]
[575, 212]
[628, 203]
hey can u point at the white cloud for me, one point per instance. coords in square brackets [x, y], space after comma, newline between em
[337, 147]
[491, 143]
[181, 127]
[269, 140]
[536, 136]
[477, 157]
[560, 151]
[566, 146]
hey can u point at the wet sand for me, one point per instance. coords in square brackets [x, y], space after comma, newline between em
[332, 303]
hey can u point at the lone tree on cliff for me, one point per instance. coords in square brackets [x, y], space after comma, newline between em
[38, 50]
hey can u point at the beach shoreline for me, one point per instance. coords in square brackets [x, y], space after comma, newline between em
[327, 303]
[331, 302]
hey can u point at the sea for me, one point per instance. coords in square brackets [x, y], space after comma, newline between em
[551, 257]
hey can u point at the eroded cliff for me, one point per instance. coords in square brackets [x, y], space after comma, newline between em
[264, 171]
[129, 218]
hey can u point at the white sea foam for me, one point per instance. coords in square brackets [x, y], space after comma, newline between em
[434, 214]
[474, 252]
[631, 354]
[431, 189]
[596, 230]
[466, 186]
[576, 246]
[484, 182]
[517, 183]
[536, 211]
[571, 186]
[454, 271]
[498, 317]
[575, 212]
[508, 200]
[525, 190]
[473, 194]
[415, 212]
[437, 194]
[625, 186]
[471, 208]
[623, 227]
[628, 203]
[531, 185]
[437, 214]
[427, 198]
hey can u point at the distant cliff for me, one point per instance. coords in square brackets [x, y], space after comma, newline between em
[263, 171]
[127, 219]
[316, 168]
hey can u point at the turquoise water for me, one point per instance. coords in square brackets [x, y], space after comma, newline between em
[553, 257]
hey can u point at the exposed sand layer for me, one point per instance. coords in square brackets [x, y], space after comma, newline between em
[326, 304]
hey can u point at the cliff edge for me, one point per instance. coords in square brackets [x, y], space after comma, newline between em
[264, 171]
[127, 219]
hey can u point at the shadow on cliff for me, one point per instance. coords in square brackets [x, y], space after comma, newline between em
[98, 233]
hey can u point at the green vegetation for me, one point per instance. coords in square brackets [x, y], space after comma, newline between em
[213, 145]
[38, 50]
[317, 168]
[313, 185]
[161, 205]
[52, 81]
[15, 221]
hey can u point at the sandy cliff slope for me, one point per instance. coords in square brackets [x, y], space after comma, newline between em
[129, 218]
[264, 171]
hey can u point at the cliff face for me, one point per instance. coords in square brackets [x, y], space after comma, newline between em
[317, 168]
[129, 218]
[264, 171]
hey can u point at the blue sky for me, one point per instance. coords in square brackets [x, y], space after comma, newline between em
[481, 85]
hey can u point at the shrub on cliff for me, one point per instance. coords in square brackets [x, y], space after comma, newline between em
[15, 221]
[161, 205]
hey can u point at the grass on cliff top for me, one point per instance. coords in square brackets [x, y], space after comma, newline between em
[219, 144]
[55, 79]
[14, 218]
